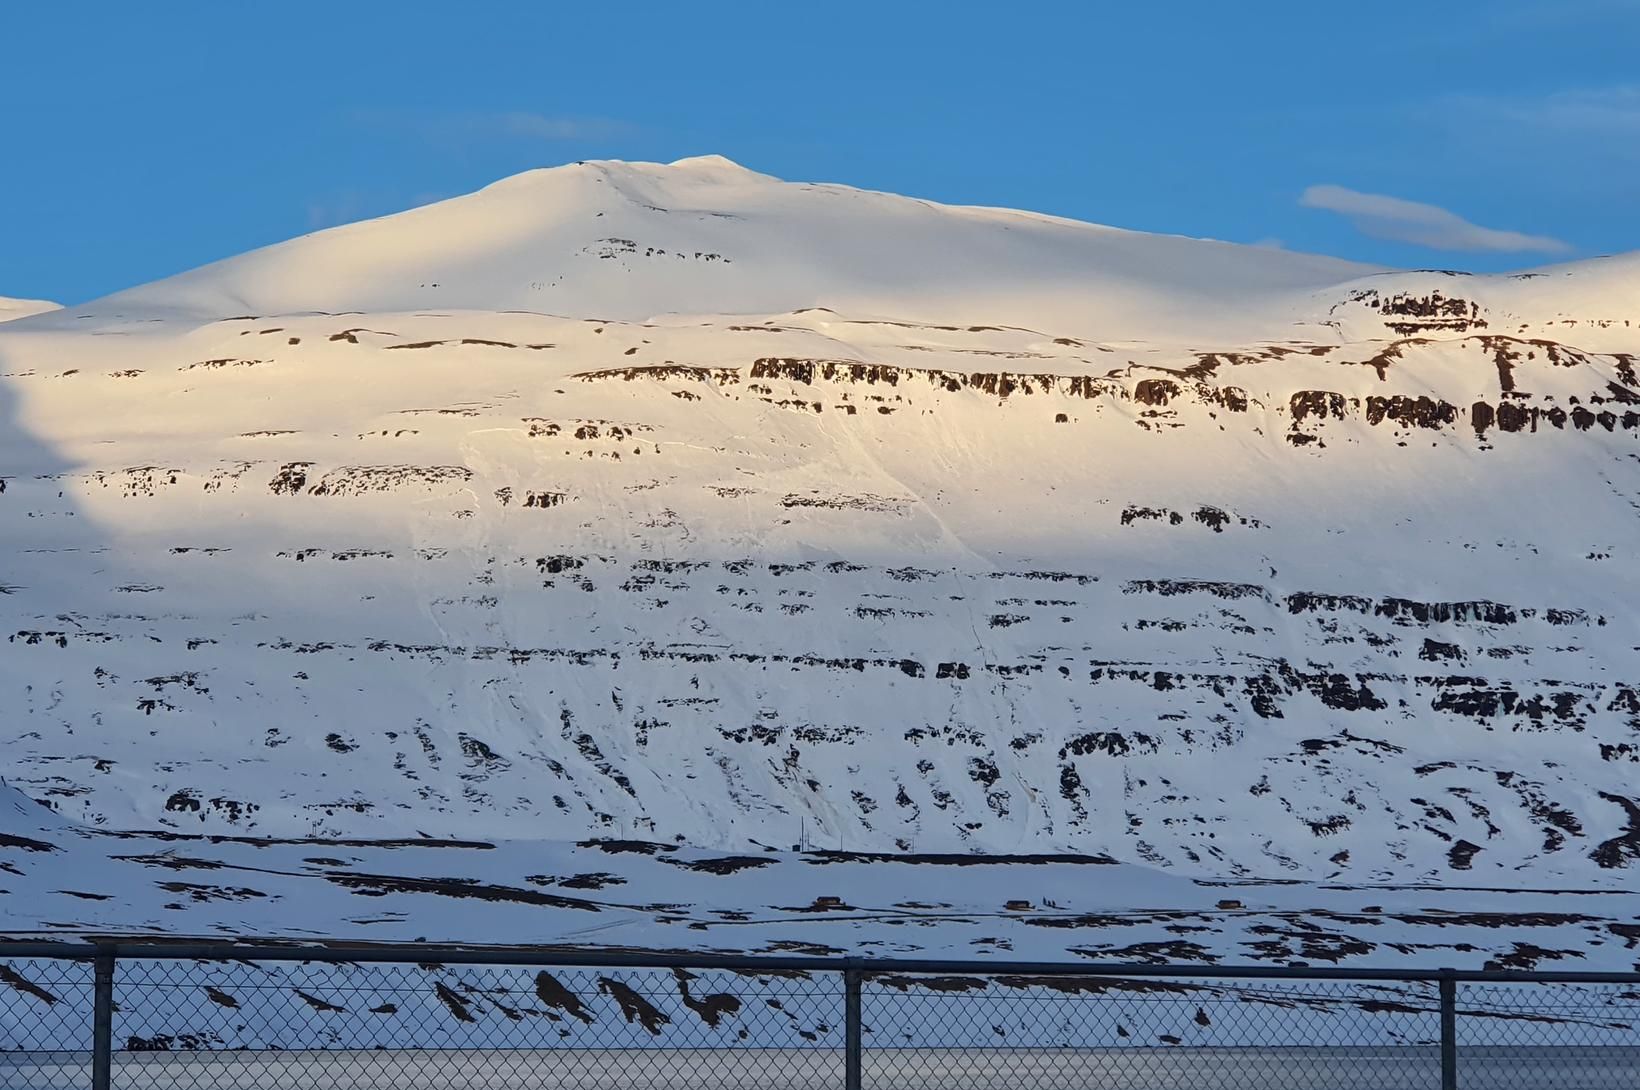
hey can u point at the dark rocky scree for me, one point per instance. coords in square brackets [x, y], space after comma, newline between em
[999, 384]
[1406, 313]
[1607, 406]
[1214, 518]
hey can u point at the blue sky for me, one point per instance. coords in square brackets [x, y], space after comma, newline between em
[143, 139]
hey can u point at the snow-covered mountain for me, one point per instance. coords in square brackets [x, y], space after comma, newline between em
[682, 504]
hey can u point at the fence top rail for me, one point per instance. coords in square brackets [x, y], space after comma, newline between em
[405, 953]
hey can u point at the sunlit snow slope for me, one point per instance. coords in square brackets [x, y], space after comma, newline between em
[683, 504]
[21, 308]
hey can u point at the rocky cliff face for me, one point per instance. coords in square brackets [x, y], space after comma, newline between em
[1001, 534]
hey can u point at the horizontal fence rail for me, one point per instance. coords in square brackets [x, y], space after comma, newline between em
[212, 1015]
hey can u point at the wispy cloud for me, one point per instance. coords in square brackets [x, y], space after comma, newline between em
[1534, 14]
[1420, 224]
[541, 127]
[510, 125]
[1598, 127]
[350, 205]
[1607, 111]
[343, 207]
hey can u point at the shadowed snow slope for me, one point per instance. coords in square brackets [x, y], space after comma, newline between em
[643, 895]
[682, 504]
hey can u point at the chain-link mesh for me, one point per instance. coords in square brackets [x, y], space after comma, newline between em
[1060, 1033]
[1548, 1036]
[45, 1024]
[376, 1026]
[215, 1025]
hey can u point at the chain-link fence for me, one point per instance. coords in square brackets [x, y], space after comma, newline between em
[158, 1018]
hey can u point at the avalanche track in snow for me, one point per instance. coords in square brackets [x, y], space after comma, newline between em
[678, 504]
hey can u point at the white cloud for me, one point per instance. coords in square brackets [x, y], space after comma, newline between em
[1422, 224]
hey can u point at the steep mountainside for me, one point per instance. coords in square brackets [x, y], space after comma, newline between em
[681, 504]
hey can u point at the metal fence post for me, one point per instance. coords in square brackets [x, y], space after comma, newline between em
[102, 1020]
[1449, 1030]
[851, 1029]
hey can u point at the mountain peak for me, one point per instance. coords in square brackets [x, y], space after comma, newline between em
[11, 309]
[706, 235]
[710, 163]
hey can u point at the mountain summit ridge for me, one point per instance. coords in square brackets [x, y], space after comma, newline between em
[12, 310]
[763, 246]
[704, 235]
